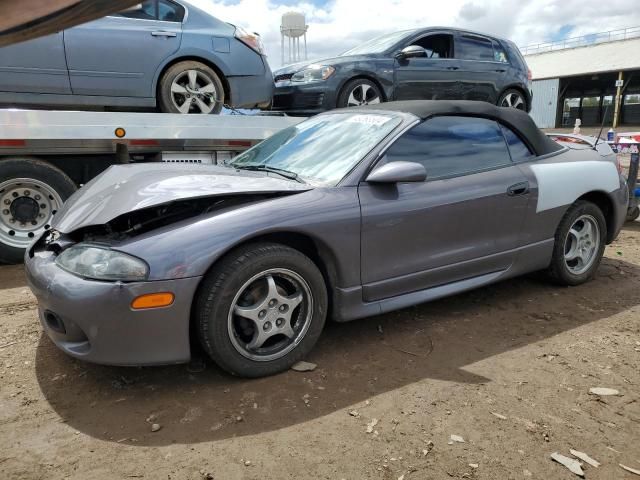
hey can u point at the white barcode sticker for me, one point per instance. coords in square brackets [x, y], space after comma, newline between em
[376, 120]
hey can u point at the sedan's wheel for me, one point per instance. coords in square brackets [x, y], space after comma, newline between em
[579, 244]
[191, 87]
[30, 195]
[359, 92]
[513, 99]
[261, 309]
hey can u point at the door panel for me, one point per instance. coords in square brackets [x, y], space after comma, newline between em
[427, 79]
[481, 80]
[35, 66]
[416, 235]
[481, 75]
[119, 56]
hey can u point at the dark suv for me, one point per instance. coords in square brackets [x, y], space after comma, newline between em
[434, 64]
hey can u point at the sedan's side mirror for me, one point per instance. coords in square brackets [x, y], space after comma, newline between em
[412, 51]
[398, 172]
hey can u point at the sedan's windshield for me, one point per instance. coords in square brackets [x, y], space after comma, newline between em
[321, 150]
[379, 44]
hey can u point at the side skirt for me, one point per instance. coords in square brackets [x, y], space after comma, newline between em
[349, 304]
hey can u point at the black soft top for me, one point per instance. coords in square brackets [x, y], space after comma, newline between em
[517, 120]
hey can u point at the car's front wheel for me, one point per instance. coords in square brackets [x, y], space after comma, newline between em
[261, 309]
[579, 244]
[191, 87]
[359, 92]
[513, 99]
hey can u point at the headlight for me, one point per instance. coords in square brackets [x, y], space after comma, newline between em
[252, 40]
[100, 263]
[313, 73]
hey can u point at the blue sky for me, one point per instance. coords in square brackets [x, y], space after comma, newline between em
[337, 25]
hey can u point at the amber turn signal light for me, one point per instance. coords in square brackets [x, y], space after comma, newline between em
[153, 300]
[120, 132]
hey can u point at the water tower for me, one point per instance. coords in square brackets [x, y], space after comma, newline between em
[293, 27]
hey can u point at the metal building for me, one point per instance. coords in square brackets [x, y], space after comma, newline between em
[593, 78]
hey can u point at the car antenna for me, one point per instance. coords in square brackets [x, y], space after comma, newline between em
[604, 119]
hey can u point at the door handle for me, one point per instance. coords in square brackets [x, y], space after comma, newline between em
[162, 33]
[500, 70]
[453, 68]
[518, 189]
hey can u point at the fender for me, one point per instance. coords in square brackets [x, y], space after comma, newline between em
[205, 239]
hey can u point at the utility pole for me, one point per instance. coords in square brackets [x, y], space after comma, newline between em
[616, 112]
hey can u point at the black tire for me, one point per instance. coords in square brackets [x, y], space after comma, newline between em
[165, 100]
[373, 91]
[220, 286]
[31, 168]
[506, 101]
[558, 270]
[633, 214]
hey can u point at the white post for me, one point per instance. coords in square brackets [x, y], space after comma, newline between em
[305, 46]
[282, 45]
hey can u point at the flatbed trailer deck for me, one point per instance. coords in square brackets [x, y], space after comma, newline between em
[46, 155]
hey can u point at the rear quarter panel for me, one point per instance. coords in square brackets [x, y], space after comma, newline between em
[557, 181]
[205, 38]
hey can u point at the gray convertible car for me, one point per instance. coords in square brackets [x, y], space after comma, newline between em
[349, 214]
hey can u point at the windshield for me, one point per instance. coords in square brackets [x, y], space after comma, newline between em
[321, 150]
[378, 44]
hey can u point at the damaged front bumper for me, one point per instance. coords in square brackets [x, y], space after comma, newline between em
[93, 320]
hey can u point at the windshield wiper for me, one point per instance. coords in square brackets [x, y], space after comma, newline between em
[266, 168]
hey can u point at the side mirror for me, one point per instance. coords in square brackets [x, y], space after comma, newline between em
[412, 51]
[398, 172]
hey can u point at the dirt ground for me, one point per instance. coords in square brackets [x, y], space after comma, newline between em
[523, 349]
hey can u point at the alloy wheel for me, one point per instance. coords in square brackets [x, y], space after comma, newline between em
[513, 100]
[581, 244]
[193, 91]
[270, 315]
[363, 94]
[26, 208]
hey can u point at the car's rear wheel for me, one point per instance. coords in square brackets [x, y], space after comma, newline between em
[579, 244]
[359, 91]
[191, 88]
[31, 193]
[513, 99]
[261, 309]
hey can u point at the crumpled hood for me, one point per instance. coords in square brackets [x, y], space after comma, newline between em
[335, 62]
[126, 188]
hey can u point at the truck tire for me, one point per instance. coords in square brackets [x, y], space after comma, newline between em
[191, 88]
[31, 192]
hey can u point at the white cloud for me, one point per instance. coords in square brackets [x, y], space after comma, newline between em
[342, 24]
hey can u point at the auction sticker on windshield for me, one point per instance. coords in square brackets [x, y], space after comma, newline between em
[376, 120]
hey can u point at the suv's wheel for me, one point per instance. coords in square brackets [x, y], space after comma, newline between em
[359, 92]
[31, 192]
[191, 87]
[261, 309]
[579, 244]
[513, 99]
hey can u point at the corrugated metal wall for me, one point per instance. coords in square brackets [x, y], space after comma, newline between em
[545, 102]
